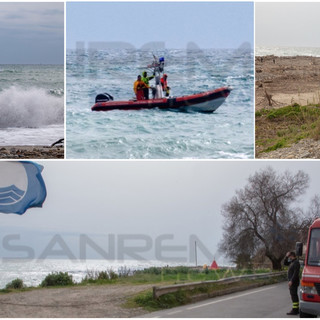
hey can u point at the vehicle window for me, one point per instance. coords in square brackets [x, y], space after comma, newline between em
[314, 248]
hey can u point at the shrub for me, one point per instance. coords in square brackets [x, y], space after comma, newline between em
[166, 301]
[103, 275]
[124, 272]
[112, 275]
[57, 279]
[176, 270]
[94, 276]
[15, 284]
[151, 270]
[280, 144]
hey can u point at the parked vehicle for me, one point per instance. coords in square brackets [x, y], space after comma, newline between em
[309, 292]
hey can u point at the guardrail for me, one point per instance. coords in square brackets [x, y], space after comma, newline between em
[159, 291]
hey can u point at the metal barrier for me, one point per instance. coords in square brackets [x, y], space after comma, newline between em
[159, 291]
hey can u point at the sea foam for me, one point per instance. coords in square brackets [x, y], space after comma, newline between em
[33, 107]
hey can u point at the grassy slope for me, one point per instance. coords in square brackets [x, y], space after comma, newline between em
[282, 127]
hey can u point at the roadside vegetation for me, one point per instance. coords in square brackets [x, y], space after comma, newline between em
[183, 296]
[281, 127]
[155, 276]
[124, 276]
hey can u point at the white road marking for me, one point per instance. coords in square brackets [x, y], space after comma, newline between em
[230, 298]
[174, 312]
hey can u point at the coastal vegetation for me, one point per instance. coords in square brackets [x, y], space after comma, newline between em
[125, 276]
[281, 127]
[15, 284]
[55, 279]
[156, 276]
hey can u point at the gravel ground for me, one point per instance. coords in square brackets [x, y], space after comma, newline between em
[304, 149]
[76, 302]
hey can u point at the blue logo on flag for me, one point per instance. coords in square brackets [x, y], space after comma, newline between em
[21, 186]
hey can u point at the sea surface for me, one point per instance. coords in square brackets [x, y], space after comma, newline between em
[228, 133]
[287, 51]
[31, 104]
[32, 272]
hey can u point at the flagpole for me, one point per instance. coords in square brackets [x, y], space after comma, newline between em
[195, 251]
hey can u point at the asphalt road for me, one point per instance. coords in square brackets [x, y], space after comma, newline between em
[265, 302]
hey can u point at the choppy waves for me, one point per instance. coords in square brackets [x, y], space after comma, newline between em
[152, 134]
[288, 51]
[30, 108]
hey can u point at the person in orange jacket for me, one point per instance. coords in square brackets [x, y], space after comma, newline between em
[164, 85]
[138, 87]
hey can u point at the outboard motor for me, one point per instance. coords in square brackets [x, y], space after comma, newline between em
[104, 97]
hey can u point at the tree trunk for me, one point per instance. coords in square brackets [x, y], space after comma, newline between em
[276, 262]
[276, 265]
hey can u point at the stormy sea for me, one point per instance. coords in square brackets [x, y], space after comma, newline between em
[31, 104]
[228, 133]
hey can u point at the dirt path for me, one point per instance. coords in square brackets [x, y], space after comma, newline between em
[75, 302]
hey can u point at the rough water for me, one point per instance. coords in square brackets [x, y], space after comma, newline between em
[32, 272]
[31, 104]
[228, 133]
[288, 51]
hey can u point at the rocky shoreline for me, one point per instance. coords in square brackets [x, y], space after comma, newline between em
[31, 152]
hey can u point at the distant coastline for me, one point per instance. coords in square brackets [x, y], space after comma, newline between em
[287, 51]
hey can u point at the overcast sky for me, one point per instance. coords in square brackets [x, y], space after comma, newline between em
[144, 198]
[207, 24]
[31, 33]
[288, 24]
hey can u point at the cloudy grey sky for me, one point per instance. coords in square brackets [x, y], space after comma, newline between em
[31, 33]
[207, 24]
[144, 198]
[288, 24]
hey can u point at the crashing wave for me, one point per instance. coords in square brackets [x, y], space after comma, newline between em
[33, 107]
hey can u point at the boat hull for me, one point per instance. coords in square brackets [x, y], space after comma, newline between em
[201, 102]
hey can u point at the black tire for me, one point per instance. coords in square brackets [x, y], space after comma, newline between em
[306, 315]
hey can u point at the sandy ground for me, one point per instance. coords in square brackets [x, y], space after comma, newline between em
[283, 81]
[31, 152]
[288, 80]
[76, 302]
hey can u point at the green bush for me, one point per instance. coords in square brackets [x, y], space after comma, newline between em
[93, 276]
[57, 279]
[113, 275]
[166, 301]
[151, 270]
[103, 275]
[176, 270]
[15, 284]
[280, 144]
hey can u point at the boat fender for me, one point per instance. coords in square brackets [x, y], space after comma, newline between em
[172, 102]
[104, 97]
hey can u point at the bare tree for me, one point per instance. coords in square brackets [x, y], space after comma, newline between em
[262, 216]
